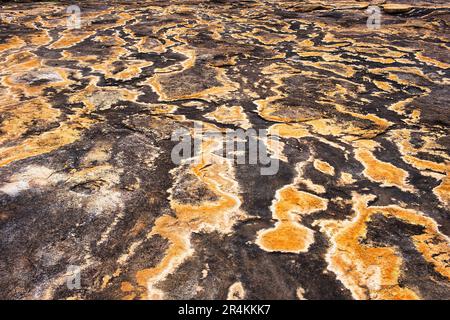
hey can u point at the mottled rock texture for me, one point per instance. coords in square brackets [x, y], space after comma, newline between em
[359, 208]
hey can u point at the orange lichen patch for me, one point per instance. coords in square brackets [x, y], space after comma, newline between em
[346, 178]
[348, 131]
[305, 44]
[383, 85]
[117, 52]
[328, 54]
[289, 130]
[398, 79]
[178, 251]
[133, 69]
[381, 124]
[214, 215]
[126, 286]
[382, 172]
[374, 272]
[426, 167]
[215, 28]
[81, 59]
[430, 61]
[402, 138]
[12, 43]
[70, 38]
[396, 74]
[278, 71]
[230, 115]
[392, 71]
[381, 60]
[288, 235]
[20, 62]
[302, 180]
[323, 167]
[165, 25]
[376, 50]
[443, 190]
[49, 141]
[40, 39]
[236, 292]
[305, 123]
[426, 164]
[399, 107]
[67, 133]
[19, 117]
[334, 67]
[414, 117]
[188, 52]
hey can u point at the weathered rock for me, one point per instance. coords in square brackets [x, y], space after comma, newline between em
[357, 208]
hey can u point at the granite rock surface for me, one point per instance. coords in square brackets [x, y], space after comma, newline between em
[357, 117]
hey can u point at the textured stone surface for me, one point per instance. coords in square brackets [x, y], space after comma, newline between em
[359, 207]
